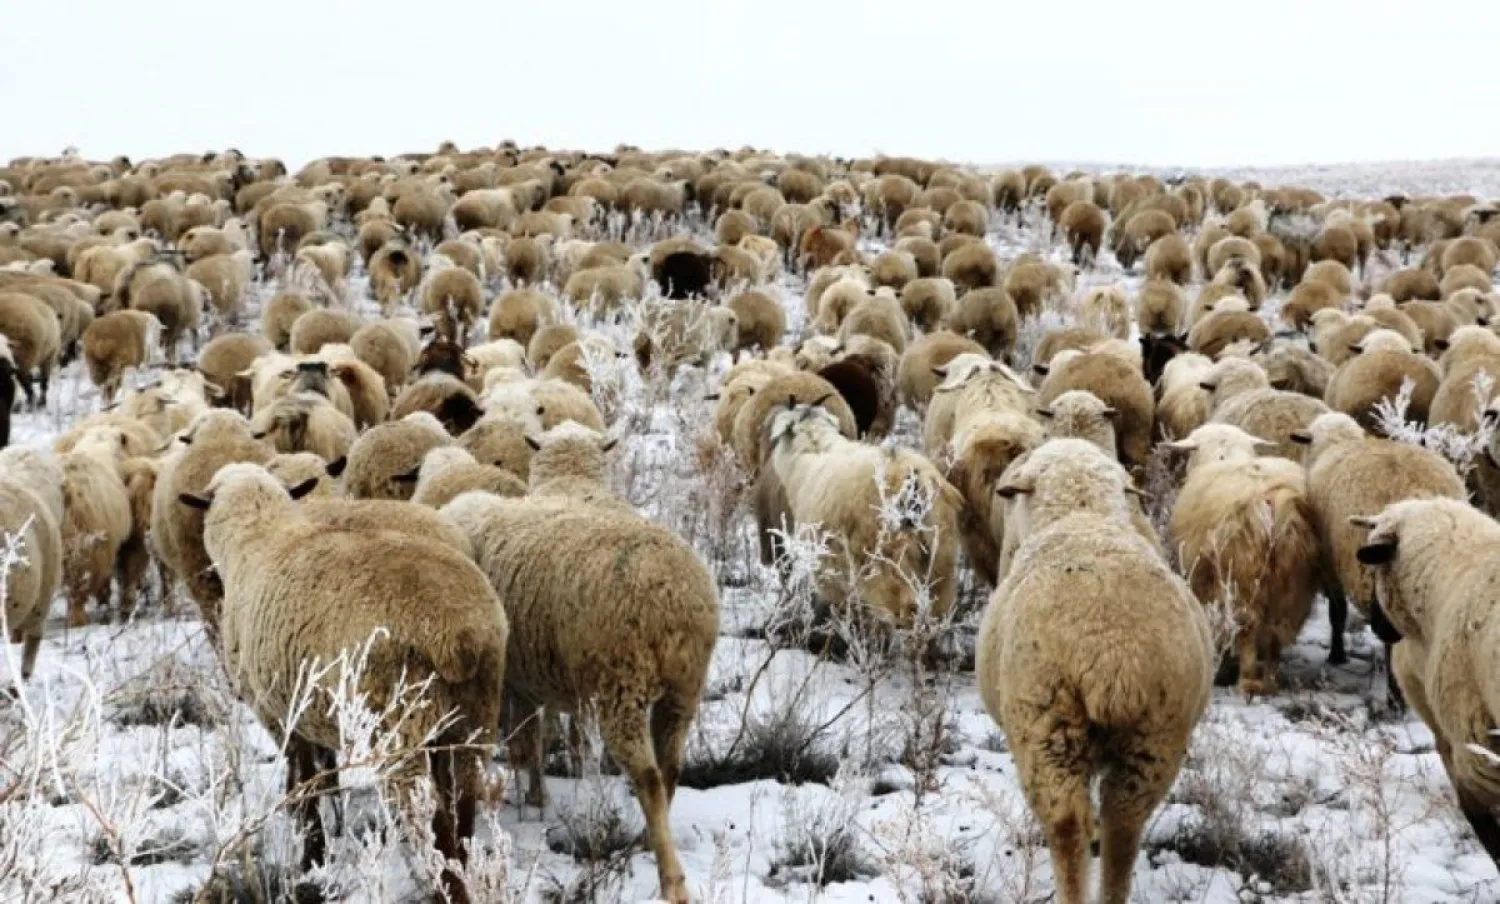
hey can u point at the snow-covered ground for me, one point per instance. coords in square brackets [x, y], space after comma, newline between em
[128, 772]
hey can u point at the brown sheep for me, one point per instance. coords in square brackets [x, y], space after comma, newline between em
[1169, 258]
[973, 266]
[762, 321]
[1083, 224]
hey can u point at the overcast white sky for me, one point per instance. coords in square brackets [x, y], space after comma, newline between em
[1197, 83]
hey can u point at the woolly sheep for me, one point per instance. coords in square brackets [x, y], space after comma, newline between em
[305, 422]
[395, 271]
[388, 349]
[34, 341]
[96, 522]
[1083, 224]
[1169, 258]
[1053, 627]
[762, 321]
[174, 300]
[386, 452]
[454, 298]
[930, 301]
[1120, 385]
[31, 509]
[971, 384]
[974, 266]
[1351, 474]
[1295, 369]
[1464, 276]
[1384, 360]
[1105, 309]
[447, 472]
[1079, 414]
[442, 395]
[1184, 404]
[1434, 580]
[279, 614]
[1228, 248]
[987, 316]
[116, 343]
[215, 439]
[878, 316]
[518, 314]
[751, 441]
[639, 653]
[1160, 307]
[1247, 536]
[226, 278]
[1243, 397]
[299, 468]
[836, 483]
[319, 327]
[1308, 298]
[1471, 350]
[1135, 234]
[1411, 285]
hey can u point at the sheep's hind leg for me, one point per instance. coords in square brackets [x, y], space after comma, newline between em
[1482, 820]
[1129, 793]
[622, 722]
[303, 787]
[1059, 796]
[670, 719]
[453, 819]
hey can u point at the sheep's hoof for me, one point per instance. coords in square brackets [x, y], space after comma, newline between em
[1338, 657]
[1257, 687]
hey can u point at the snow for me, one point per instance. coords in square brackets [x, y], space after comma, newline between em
[1319, 793]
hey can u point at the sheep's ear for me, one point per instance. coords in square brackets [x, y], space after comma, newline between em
[1011, 490]
[1041, 369]
[711, 397]
[1300, 437]
[336, 467]
[1044, 412]
[1357, 348]
[259, 435]
[1111, 413]
[608, 444]
[191, 501]
[1362, 522]
[303, 488]
[533, 444]
[1208, 386]
[1183, 445]
[1377, 553]
[1381, 625]
[941, 370]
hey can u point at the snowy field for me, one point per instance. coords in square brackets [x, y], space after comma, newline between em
[129, 773]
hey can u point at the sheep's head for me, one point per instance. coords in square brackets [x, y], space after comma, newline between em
[1065, 477]
[802, 420]
[1233, 376]
[964, 369]
[1220, 442]
[1080, 414]
[241, 487]
[1327, 429]
[1404, 529]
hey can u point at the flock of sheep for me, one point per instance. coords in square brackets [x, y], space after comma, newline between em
[439, 472]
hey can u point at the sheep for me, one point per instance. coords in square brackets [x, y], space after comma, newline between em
[987, 316]
[762, 321]
[1169, 258]
[395, 271]
[1350, 474]
[750, 439]
[1471, 350]
[31, 510]
[1079, 414]
[382, 455]
[1228, 248]
[293, 469]
[568, 462]
[224, 359]
[605, 287]
[1032, 284]
[638, 664]
[442, 395]
[973, 266]
[1184, 404]
[447, 472]
[518, 314]
[1243, 397]
[1411, 285]
[971, 384]
[280, 313]
[1434, 585]
[1308, 298]
[1470, 251]
[1105, 309]
[7, 389]
[1385, 360]
[1120, 385]
[878, 316]
[1083, 224]
[1464, 276]
[226, 278]
[319, 327]
[1227, 325]
[1135, 233]
[1331, 273]
[1248, 539]
[305, 422]
[160, 290]
[1469, 306]
[445, 626]
[892, 518]
[894, 269]
[115, 343]
[389, 348]
[215, 439]
[454, 299]
[34, 341]
[1295, 369]
[929, 301]
[96, 522]
[1054, 627]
